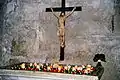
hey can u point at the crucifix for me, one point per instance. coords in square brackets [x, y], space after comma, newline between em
[61, 21]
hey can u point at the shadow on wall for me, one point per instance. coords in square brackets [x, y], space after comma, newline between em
[1, 22]
[2, 3]
[117, 15]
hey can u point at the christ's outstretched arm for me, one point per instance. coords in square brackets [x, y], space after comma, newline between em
[54, 13]
[70, 13]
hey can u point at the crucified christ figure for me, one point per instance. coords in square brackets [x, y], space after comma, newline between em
[61, 28]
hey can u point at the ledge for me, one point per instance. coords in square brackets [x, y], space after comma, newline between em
[35, 75]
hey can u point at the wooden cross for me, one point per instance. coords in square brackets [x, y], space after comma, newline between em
[62, 10]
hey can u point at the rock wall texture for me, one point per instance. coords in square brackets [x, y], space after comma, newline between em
[28, 33]
[1, 27]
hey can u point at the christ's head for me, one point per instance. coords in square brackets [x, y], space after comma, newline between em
[62, 14]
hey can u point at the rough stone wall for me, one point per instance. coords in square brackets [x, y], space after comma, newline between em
[29, 33]
[1, 23]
